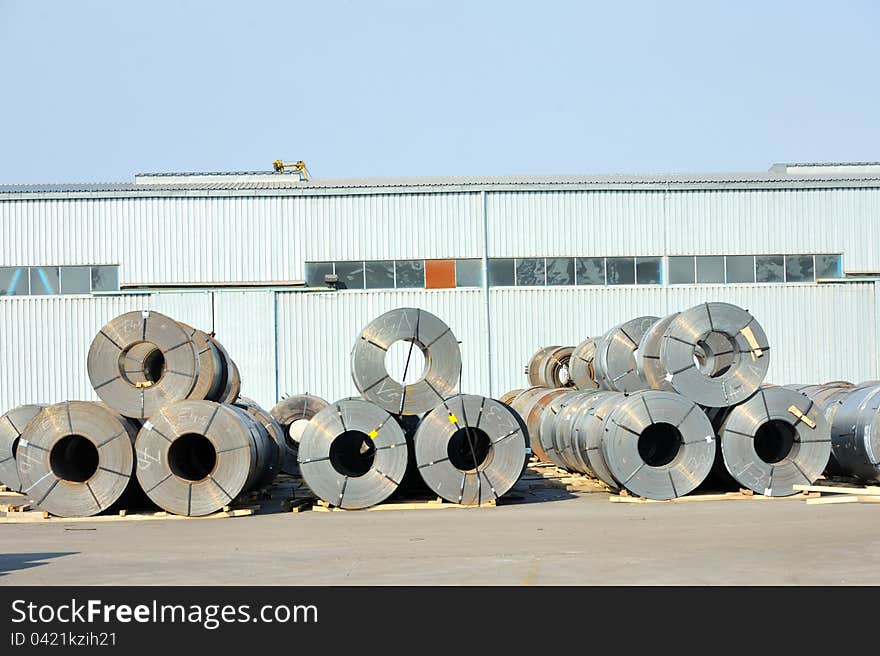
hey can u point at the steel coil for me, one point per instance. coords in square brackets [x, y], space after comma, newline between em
[615, 359]
[210, 381]
[75, 459]
[548, 426]
[424, 331]
[658, 445]
[549, 367]
[195, 457]
[564, 437]
[533, 412]
[581, 369]
[173, 363]
[230, 374]
[294, 413]
[855, 434]
[776, 439]
[471, 449]
[274, 431]
[508, 397]
[588, 431]
[12, 425]
[747, 351]
[353, 454]
[648, 354]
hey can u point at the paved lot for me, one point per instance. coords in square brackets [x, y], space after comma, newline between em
[562, 539]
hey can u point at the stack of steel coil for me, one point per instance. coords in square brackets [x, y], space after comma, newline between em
[661, 402]
[170, 423]
[467, 449]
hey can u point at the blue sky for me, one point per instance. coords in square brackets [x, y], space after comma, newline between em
[96, 91]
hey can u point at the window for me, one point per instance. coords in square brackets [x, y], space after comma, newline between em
[410, 273]
[468, 273]
[379, 275]
[740, 268]
[530, 272]
[501, 272]
[315, 272]
[76, 280]
[799, 268]
[648, 270]
[350, 274]
[14, 281]
[621, 270]
[560, 271]
[710, 269]
[44, 280]
[769, 268]
[681, 270]
[828, 266]
[105, 278]
[590, 270]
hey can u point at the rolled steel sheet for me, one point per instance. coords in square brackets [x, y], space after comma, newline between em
[588, 431]
[776, 439]
[658, 445]
[12, 425]
[274, 432]
[615, 360]
[353, 454]
[425, 332]
[548, 426]
[581, 369]
[748, 353]
[508, 397]
[130, 395]
[648, 354]
[294, 413]
[194, 457]
[564, 431]
[75, 459]
[855, 434]
[210, 381]
[471, 449]
[549, 367]
[533, 412]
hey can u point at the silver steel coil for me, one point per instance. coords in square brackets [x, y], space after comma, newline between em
[210, 381]
[855, 434]
[274, 432]
[12, 425]
[532, 411]
[615, 359]
[195, 457]
[508, 397]
[548, 426]
[565, 438]
[776, 439]
[75, 459]
[423, 331]
[294, 413]
[549, 367]
[141, 394]
[648, 354]
[353, 454]
[588, 431]
[471, 449]
[658, 444]
[747, 351]
[581, 369]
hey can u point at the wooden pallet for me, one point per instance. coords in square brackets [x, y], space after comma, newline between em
[832, 493]
[430, 504]
[41, 516]
[742, 495]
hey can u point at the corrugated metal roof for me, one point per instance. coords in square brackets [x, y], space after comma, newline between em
[290, 185]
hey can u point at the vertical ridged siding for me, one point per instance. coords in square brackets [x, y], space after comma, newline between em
[220, 239]
[570, 223]
[317, 332]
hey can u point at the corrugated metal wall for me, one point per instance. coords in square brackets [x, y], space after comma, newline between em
[317, 331]
[817, 333]
[219, 239]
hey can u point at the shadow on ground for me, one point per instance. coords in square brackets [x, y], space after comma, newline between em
[12, 562]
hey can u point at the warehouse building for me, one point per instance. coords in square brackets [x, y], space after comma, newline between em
[287, 271]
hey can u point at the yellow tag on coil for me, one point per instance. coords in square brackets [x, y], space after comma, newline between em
[373, 434]
[453, 419]
[800, 415]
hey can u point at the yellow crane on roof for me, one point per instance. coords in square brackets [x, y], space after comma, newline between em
[296, 167]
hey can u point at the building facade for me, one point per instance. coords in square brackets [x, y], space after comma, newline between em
[511, 263]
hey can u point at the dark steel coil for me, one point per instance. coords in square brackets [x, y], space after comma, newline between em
[425, 332]
[12, 425]
[210, 381]
[855, 434]
[294, 413]
[75, 459]
[274, 431]
[658, 445]
[140, 395]
[615, 359]
[471, 449]
[353, 454]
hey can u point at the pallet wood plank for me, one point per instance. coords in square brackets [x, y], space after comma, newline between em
[873, 490]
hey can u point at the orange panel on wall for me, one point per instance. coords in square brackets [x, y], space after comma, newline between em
[439, 274]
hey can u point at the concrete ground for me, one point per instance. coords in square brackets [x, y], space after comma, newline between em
[555, 538]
